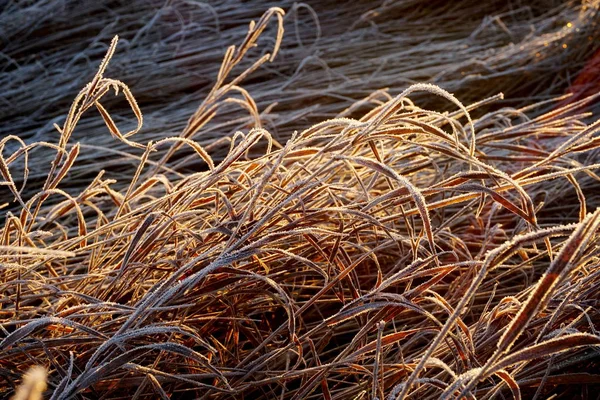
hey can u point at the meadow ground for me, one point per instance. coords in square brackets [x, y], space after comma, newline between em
[355, 213]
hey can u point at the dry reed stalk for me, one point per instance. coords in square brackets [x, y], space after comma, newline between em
[33, 385]
[404, 253]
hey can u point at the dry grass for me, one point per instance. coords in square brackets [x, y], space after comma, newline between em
[402, 253]
[335, 55]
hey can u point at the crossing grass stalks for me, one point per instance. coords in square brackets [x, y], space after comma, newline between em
[402, 252]
[338, 59]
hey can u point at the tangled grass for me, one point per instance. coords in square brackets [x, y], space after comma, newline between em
[337, 55]
[401, 253]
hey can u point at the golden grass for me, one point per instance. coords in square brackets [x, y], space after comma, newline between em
[405, 253]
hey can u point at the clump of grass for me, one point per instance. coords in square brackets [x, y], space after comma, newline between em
[404, 253]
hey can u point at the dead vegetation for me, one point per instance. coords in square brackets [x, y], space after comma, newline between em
[400, 253]
[334, 55]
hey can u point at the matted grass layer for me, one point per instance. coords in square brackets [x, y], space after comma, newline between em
[336, 53]
[401, 253]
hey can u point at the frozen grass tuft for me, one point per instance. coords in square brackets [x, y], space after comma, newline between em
[394, 251]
